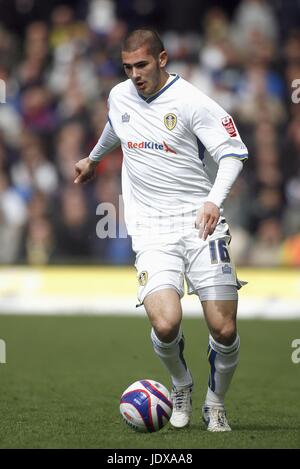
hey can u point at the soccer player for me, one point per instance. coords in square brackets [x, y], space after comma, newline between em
[182, 153]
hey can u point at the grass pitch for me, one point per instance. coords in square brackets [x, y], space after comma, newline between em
[61, 385]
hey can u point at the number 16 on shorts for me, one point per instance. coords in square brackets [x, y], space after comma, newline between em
[218, 251]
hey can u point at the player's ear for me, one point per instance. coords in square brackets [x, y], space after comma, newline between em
[163, 59]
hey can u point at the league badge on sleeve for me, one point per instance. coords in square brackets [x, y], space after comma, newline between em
[229, 126]
[170, 121]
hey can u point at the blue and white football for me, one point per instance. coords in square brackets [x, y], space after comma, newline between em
[146, 406]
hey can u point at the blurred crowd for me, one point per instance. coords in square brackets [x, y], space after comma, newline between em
[58, 72]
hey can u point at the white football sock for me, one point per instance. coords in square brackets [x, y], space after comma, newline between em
[171, 355]
[223, 361]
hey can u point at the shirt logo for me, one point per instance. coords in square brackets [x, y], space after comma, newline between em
[125, 117]
[151, 146]
[229, 126]
[170, 121]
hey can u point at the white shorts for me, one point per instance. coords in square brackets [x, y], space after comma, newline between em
[165, 260]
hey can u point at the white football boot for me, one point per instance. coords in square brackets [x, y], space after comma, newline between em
[215, 419]
[182, 406]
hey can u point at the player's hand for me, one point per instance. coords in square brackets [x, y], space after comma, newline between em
[206, 219]
[85, 170]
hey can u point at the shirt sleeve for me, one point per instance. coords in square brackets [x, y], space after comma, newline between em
[107, 142]
[228, 171]
[216, 129]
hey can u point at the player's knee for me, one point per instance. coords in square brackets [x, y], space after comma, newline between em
[166, 330]
[226, 333]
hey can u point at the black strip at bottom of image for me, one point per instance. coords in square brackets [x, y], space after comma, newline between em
[152, 458]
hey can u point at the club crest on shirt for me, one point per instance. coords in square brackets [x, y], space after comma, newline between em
[143, 278]
[170, 121]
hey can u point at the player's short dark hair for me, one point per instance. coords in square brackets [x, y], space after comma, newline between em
[143, 37]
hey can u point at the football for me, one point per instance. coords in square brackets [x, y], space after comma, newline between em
[146, 406]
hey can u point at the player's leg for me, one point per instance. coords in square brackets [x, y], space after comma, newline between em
[164, 311]
[223, 352]
[211, 274]
[160, 266]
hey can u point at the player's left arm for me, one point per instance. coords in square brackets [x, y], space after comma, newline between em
[208, 215]
[218, 133]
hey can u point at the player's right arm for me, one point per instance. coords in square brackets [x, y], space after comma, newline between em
[86, 167]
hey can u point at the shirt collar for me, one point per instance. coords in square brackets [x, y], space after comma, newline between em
[172, 78]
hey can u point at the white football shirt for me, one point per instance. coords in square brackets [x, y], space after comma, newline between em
[172, 143]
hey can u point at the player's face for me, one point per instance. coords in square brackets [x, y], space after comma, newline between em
[146, 72]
